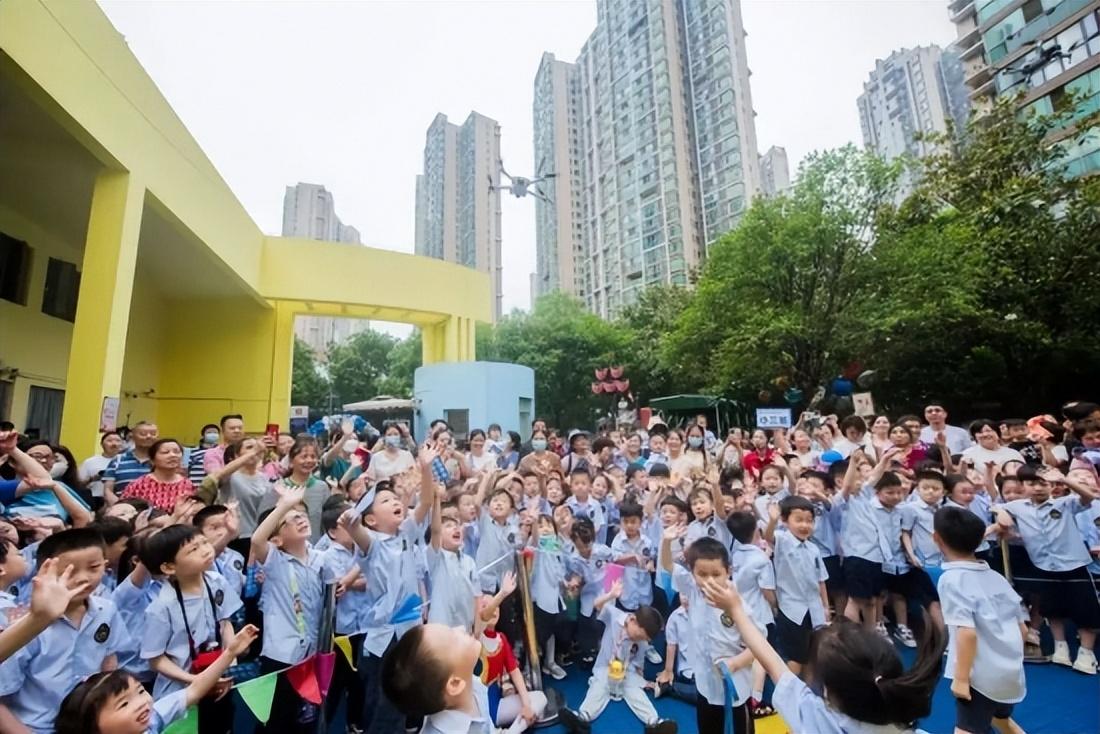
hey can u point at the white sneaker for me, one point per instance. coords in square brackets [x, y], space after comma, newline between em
[1061, 654]
[1086, 661]
[904, 635]
[554, 671]
[653, 656]
[881, 629]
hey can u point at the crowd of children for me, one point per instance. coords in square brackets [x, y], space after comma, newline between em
[800, 556]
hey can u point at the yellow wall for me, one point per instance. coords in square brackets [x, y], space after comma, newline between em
[30, 341]
[202, 356]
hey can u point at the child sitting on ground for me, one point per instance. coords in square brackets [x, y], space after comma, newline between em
[619, 669]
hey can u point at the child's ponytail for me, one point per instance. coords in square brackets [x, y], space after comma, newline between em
[863, 676]
[908, 697]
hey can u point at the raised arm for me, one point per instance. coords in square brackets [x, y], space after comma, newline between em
[614, 592]
[716, 499]
[427, 484]
[722, 595]
[437, 519]
[288, 499]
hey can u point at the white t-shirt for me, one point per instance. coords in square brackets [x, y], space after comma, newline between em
[90, 471]
[981, 456]
[383, 466]
[958, 439]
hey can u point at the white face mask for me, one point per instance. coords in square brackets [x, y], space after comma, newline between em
[350, 445]
[59, 468]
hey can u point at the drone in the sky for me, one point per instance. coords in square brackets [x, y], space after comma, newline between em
[519, 186]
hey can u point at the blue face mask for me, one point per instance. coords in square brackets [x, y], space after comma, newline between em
[538, 444]
[695, 442]
[393, 441]
[210, 437]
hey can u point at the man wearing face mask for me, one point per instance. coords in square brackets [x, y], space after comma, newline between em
[210, 436]
[232, 429]
[91, 470]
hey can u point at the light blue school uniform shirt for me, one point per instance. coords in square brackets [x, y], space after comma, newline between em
[805, 712]
[167, 710]
[1088, 523]
[166, 633]
[827, 517]
[753, 572]
[637, 583]
[615, 645]
[548, 574]
[460, 722]
[539, 504]
[9, 610]
[21, 588]
[471, 537]
[713, 636]
[494, 541]
[917, 518]
[764, 500]
[868, 527]
[979, 506]
[390, 567]
[711, 527]
[1050, 532]
[974, 596]
[678, 633]
[35, 680]
[230, 564]
[455, 584]
[592, 509]
[292, 598]
[592, 571]
[132, 602]
[338, 561]
[799, 570]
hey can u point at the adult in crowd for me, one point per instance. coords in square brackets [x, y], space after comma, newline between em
[131, 464]
[337, 459]
[710, 441]
[958, 439]
[908, 452]
[853, 435]
[93, 468]
[880, 433]
[802, 446]
[209, 437]
[760, 454]
[276, 464]
[242, 481]
[580, 453]
[58, 499]
[731, 451]
[232, 430]
[166, 483]
[392, 458]
[304, 457]
[987, 448]
[509, 453]
[541, 460]
[479, 459]
[538, 424]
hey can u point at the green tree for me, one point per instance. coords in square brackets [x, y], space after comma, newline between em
[358, 366]
[773, 298]
[308, 386]
[401, 364]
[563, 343]
[647, 324]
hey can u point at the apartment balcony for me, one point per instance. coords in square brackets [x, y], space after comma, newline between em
[961, 9]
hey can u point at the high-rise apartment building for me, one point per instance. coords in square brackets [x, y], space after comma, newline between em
[652, 136]
[1047, 49]
[310, 212]
[458, 197]
[912, 91]
[775, 172]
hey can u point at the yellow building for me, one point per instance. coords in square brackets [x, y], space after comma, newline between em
[129, 270]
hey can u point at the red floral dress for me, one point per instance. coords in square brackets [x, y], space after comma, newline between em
[162, 495]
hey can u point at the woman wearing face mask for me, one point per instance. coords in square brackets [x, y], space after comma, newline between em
[509, 455]
[393, 459]
[694, 457]
[338, 459]
[541, 460]
[209, 437]
[60, 500]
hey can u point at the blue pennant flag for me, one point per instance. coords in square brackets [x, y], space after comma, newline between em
[409, 611]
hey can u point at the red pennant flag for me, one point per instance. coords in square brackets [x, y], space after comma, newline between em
[303, 678]
[325, 663]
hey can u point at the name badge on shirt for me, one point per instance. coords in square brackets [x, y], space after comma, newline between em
[1055, 514]
[102, 632]
[238, 564]
[404, 545]
[727, 620]
[711, 532]
[219, 597]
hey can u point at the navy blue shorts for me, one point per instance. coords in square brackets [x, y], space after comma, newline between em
[835, 583]
[1069, 595]
[915, 585]
[977, 714]
[794, 637]
[863, 579]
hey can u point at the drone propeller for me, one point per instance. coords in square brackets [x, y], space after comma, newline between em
[503, 172]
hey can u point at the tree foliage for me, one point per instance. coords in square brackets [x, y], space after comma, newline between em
[646, 323]
[308, 386]
[563, 343]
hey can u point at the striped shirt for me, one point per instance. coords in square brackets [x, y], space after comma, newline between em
[126, 468]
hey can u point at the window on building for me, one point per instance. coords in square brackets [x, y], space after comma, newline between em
[5, 400]
[15, 258]
[459, 421]
[62, 288]
[44, 413]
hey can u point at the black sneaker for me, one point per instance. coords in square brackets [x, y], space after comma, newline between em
[664, 726]
[573, 722]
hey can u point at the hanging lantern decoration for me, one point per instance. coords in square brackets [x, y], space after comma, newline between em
[601, 374]
[851, 370]
[841, 387]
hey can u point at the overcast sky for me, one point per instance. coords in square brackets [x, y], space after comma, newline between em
[341, 93]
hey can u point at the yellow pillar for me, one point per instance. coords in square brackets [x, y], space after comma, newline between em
[430, 338]
[282, 363]
[98, 347]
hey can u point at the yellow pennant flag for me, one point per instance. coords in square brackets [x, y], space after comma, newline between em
[343, 643]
